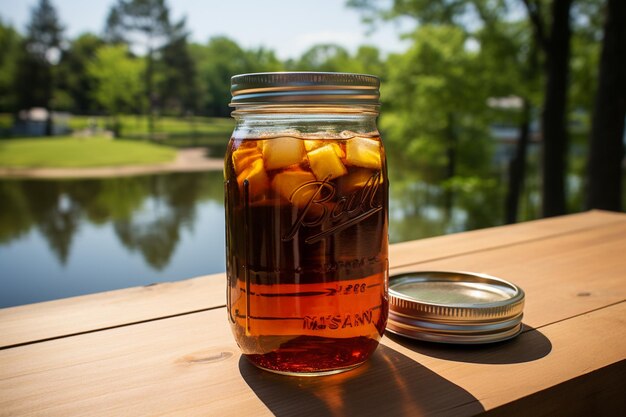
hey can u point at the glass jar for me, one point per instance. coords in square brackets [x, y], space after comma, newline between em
[306, 195]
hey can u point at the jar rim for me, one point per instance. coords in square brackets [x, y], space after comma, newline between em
[305, 88]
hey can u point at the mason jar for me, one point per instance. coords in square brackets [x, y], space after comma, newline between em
[306, 194]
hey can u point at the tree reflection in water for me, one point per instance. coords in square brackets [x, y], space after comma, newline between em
[147, 212]
[95, 227]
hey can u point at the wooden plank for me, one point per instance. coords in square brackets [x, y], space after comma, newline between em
[600, 393]
[534, 362]
[26, 324]
[497, 237]
[74, 315]
[562, 276]
[189, 365]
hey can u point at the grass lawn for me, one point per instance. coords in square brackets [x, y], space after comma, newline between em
[68, 152]
[204, 130]
[6, 120]
[179, 132]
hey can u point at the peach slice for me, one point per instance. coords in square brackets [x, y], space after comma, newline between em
[310, 145]
[243, 157]
[325, 163]
[363, 152]
[258, 181]
[282, 152]
[338, 150]
[291, 185]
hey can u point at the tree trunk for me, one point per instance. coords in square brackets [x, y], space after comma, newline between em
[49, 127]
[517, 167]
[451, 146]
[150, 92]
[606, 148]
[555, 137]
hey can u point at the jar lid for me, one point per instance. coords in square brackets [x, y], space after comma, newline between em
[330, 88]
[454, 307]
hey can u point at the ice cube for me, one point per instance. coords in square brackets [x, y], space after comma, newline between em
[325, 163]
[258, 180]
[282, 152]
[292, 186]
[363, 152]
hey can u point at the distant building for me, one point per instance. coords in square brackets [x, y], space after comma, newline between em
[33, 122]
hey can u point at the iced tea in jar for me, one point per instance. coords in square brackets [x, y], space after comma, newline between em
[306, 221]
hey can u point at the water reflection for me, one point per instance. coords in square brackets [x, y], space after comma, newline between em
[418, 209]
[73, 237]
[147, 213]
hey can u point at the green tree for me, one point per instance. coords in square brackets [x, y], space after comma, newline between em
[368, 60]
[434, 111]
[217, 61]
[552, 28]
[74, 80]
[118, 76]
[10, 43]
[508, 59]
[177, 78]
[42, 49]
[144, 25]
[263, 60]
[324, 57]
[335, 58]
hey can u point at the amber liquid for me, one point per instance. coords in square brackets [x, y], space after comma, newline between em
[306, 259]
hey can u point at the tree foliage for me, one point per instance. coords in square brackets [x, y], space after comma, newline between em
[44, 32]
[145, 26]
[75, 85]
[433, 109]
[10, 50]
[118, 79]
[523, 44]
[220, 59]
[40, 50]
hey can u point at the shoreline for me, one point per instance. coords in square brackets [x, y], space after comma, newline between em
[187, 160]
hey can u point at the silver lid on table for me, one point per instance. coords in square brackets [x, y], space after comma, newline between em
[454, 307]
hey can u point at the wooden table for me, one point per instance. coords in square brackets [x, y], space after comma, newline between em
[166, 349]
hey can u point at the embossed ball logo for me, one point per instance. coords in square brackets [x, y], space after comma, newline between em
[348, 210]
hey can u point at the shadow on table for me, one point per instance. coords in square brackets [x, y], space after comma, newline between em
[388, 384]
[529, 346]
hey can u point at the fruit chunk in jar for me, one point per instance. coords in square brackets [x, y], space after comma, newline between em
[307, 251]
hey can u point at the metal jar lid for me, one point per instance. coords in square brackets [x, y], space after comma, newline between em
[330, 88]
[454, 307]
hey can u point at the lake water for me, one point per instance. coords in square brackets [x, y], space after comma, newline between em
[71, 237]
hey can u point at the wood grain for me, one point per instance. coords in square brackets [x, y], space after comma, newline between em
[441, 247]
[562, 276]
[42, 321]
[570, 356]
[75, 315]
[189, 365]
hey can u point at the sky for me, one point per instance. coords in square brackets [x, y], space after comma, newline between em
[289, 27]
